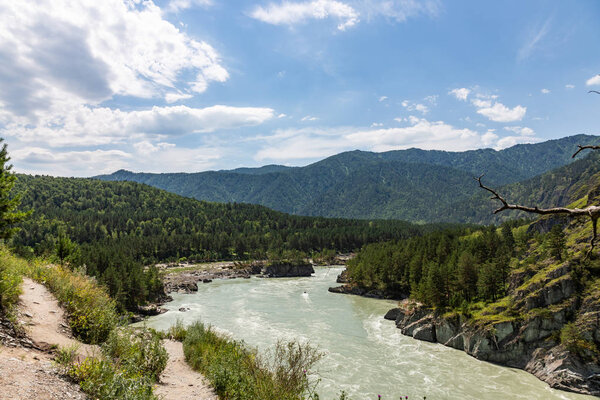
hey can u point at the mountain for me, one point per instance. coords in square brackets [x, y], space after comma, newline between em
[408, 184]
[114, 229]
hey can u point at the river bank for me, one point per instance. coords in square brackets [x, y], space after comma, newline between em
[364, 354]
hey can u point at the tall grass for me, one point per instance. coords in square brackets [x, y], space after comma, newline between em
[127, 368]
[92, 314]
[239, 374]
[11, 278]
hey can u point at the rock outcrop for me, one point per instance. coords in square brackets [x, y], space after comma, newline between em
[283, 269]
[531, 344]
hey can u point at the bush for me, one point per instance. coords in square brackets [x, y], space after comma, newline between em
[91, 312]
[140, 351]
[10, 282]
[131, 362]
[239, 374]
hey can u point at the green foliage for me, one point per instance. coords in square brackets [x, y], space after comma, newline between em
[390, 185]
[239, 374]
[555, 242]
[9, 216]
[11, 272]
[130, 364]
[572, 339]
[440, 269]
[91, 312]
[120, 227]
[177, 331]
[139, 351]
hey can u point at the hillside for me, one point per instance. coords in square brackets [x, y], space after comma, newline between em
[523, 296]
[403, 184]
[115, 228]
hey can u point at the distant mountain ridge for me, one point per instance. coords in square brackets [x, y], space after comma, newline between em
[415, 185]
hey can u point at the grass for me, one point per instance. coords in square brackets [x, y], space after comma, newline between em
[237, 373]
[92, 314]
[127, 368]
[11, 278]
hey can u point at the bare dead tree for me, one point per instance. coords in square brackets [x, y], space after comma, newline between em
[592, 212]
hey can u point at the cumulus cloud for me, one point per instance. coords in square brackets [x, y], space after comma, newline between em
[520, 130]
[84, 52]
[545, 91]
[460, 93]
[309, 118]
[498, 112]
[310, 143]
[383, 98]
[569, 86]
[593, 81]
[289, 13]
[87, 126]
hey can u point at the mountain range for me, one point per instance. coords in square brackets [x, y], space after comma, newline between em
[415, 185]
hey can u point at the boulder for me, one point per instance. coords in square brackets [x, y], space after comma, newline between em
[425, 332]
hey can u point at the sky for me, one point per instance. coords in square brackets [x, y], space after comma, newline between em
[90, 87]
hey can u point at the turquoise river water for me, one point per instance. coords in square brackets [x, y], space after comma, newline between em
[365, 355]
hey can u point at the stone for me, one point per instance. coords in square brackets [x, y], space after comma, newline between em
[425, 332]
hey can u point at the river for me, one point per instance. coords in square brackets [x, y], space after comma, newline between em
[365, 355]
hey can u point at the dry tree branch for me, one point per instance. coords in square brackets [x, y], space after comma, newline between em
[593, 212]
[594, 91]
[583, 148]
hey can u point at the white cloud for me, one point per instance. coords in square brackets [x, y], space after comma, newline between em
[175, 97]
[399, 11]
[545, 91]
[309, 118]
[376, 124]
[282, 115]
[410, 106]
[460, 93]
[569, 86]
[289, 13]
[520, 130]
[498, 112]
[145, 156]
[86, 163]
[534, 40]
[432, 99]
[179, 5]
[383, 98]
[87, 126]
[509, 141]
[594, 80]
[65, 53]
[311, 143]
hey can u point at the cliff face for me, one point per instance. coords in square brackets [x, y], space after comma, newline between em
[544, 327]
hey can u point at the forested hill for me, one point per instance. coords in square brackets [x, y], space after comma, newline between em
[118, 227]
[406, 184]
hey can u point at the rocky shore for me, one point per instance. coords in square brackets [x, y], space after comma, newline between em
[186, 278]
[349, 288]
[530, 344]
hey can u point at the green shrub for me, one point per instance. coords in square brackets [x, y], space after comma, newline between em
[91, 312]
[177, 331]
[130, 364]
[572, 339]
[10, 282]
[239, 374]
[140, 351]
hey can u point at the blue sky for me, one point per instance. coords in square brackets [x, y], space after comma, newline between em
[90, 87]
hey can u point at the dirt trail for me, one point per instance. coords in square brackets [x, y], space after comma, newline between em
[179, 381]
[45, 319]
[27, 374]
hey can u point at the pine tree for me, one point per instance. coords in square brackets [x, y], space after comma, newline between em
[8, 203]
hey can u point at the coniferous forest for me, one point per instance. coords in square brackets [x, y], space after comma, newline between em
[116, 229]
